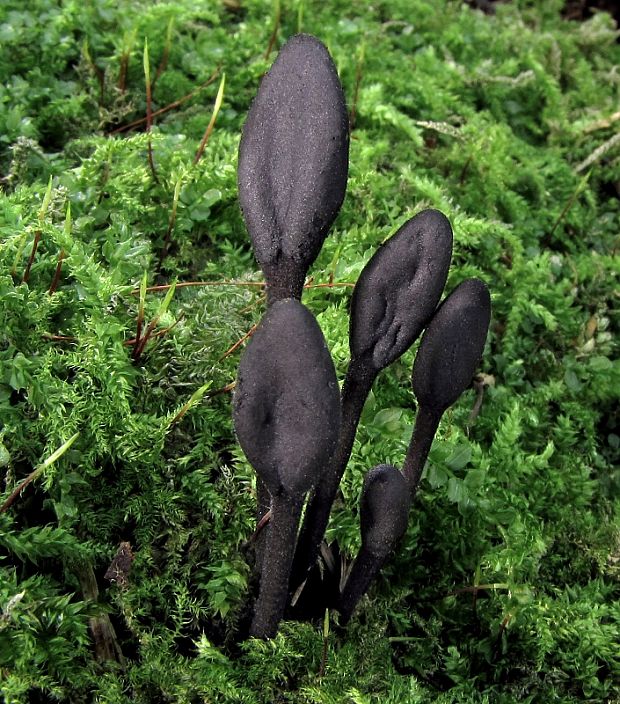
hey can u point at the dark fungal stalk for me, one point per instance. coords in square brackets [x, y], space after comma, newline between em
[394, 298]
[445, 364]
[286, 413]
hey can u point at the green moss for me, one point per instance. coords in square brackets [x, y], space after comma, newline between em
[490, 119]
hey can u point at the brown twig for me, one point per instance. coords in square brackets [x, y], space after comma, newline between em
[569, 203]
[170, 106]
[33, 252]
[260, 284]
[56, 279]
[19, 488]
[260, 526]
[239, 342]
[159, 333]
[58, 338]
[223, 390]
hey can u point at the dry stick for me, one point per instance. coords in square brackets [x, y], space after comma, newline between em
[58, 338]
[159, 333]
[139, 348]
[171, 106]
[239, 342]
[276, 27]
[259, 284]
[570, 202]
[216, 108]
[33, 252]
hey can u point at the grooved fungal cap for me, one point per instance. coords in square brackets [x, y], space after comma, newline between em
[293, 157]
[384, 509]
[399, 289]
[286, 407]
[452, 345]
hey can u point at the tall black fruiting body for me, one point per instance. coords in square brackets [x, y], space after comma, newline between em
[287, 418]
[293, 163]
[296, 429]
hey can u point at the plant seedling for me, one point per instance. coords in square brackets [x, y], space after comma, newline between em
[293, 163]
[444, 366]
[384, 511]
[286, 412]
[393, 299]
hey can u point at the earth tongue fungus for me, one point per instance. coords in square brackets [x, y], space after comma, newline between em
[294, 426]
[444, 366]
[293, 163]
[395, 296]
[287, 418]
[292, 173]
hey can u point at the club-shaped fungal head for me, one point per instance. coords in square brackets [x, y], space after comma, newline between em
[384, 509]
[293, 162]
[398, 290]
[452, 346]
[286, 406]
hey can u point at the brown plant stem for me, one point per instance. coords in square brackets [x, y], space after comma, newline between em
[274, 31]
[259, 284]
[33, 252]
[171, 106]
[56, 279]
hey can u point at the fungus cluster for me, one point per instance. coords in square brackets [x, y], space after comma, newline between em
[294, 425]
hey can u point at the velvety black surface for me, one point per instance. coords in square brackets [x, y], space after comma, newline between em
[452, 346]
[399, 289]
[384, 509]
[286, 407]
[293, 162]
